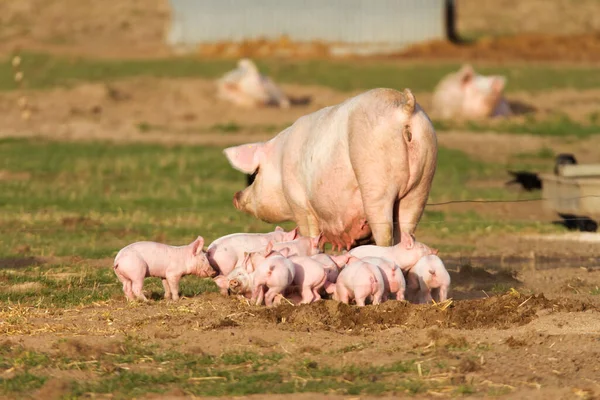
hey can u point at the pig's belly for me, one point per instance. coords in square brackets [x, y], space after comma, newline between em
[341, 215]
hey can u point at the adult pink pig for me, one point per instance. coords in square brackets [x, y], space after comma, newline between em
[358, 280]
[427, 280]
[466, 94]
[139, 260]
[363, 167]
[404, 258]
[227, 252]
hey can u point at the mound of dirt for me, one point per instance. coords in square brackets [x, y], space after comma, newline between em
[499, 312]
[584, 47]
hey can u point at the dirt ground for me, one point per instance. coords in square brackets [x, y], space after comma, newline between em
[540, 342]
[528, 344]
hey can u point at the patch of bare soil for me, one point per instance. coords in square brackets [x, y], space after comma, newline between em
[529, 344]
[516, 16]
[152, 110]
[134, 28]
[518, 47]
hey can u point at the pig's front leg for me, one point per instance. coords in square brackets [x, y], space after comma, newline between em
[173, 281]
[165, 284]
[258, 295]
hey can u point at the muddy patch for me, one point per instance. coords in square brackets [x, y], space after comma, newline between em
[499, 312]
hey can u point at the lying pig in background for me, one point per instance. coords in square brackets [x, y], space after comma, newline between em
[363, 167]
[246, 87]
[466, 94]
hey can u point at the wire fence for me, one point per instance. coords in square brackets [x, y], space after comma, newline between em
[99, 226]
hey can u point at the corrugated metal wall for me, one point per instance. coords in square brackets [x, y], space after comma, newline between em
[379, 23]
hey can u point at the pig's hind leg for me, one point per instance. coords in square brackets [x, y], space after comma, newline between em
[270, 295]
[408, 212]
[308, 296]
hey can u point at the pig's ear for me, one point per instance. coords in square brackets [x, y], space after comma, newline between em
[285, 252]
[466, 73]
[278, 229]
[198, 245]
[269, 248]
[498, 84]
[245, 158]
[293, 234]
[434, 251]
[246, 258]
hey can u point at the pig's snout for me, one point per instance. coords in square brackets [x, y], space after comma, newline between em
[234, 285]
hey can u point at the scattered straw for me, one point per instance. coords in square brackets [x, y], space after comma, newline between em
[529, 298]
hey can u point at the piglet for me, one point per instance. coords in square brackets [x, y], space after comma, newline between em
[393, 278]
[301, 246]
[274, 274]
[427, 280]
[139, 260]
[332, 265]
[241, 279]
[399, 254]
[227, 252]
[358, 280]
[309, 277]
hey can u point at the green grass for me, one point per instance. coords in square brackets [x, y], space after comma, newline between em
[91, 199]
[45, 71]
[202, 375]
[557, 126]
[72, 285]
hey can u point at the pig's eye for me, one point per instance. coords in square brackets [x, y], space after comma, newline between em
[250, 178]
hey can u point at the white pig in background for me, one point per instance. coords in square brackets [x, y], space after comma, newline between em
[245, 86]
[468, 95]
[363, 167]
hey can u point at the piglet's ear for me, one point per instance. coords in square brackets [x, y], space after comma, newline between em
[198, 245]
[245, 158]
[466, 73]
[434, 251]
[278, 229]
[498, 84]
[285, 252]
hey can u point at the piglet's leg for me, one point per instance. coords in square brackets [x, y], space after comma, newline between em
[136, 287]
[270, 295]
[173, 282]
[167, 289]
[307, 295]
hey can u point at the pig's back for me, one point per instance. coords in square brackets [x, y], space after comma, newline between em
[151, 252]
[369, 251]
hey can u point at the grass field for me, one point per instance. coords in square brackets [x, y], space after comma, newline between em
[45, 71]
[67, 207]
[118, 194]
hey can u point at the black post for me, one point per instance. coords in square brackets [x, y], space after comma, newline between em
[451, 22]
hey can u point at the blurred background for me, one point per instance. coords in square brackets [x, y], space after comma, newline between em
[113, 129]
